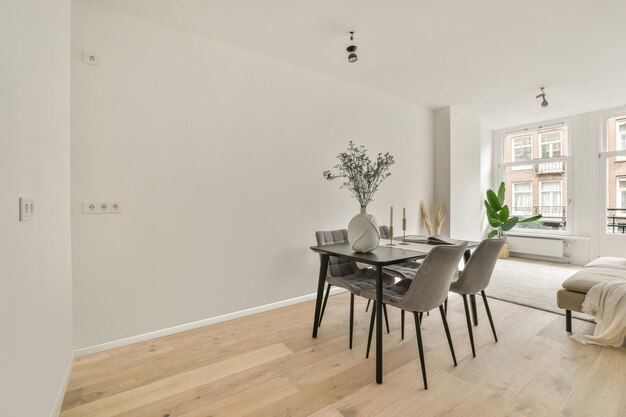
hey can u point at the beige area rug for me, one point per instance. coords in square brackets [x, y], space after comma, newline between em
[531, 283]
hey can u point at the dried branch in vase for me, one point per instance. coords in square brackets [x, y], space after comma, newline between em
[440, 217]
[362, 175]
[426, 218]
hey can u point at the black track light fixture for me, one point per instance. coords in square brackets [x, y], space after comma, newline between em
[542, 94]
[352, 49]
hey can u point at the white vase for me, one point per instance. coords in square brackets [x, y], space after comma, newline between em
[363, 233]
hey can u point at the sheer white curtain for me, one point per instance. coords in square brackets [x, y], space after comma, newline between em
[522, 198]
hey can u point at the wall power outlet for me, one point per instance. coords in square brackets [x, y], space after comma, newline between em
[102, 207]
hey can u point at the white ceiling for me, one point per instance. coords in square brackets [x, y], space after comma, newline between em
[489, 56]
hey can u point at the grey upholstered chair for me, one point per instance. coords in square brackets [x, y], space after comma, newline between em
[475, 278]
[426, 291]
[401, 271]
[346, 274]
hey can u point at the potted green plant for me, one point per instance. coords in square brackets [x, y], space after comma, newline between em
[499, 217]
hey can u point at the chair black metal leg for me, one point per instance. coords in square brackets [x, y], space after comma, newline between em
[402, 324]
[568, 321]
[445, 326]
[320, 292]
[445, 305]
[472, 298]
[469, 324]
[386, 318]
[421, 315]
[379, 325]
[493, 328]
[368, 305]
[428, 313]
[324, 305]
[369, 337]
[420, 348]
[351, 317]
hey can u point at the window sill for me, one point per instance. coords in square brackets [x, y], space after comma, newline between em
[561, 236]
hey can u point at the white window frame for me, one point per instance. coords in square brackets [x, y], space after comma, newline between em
[541, 191]
[618, 125]
[618, 192]
[499, 153]
[618, 143]
[513, 192]
[603, 184]
[513, 148]
[541, 143]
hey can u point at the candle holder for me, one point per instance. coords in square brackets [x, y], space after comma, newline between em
[403, 233]
[391, 237]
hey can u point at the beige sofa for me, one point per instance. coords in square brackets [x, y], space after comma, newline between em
[571, 296]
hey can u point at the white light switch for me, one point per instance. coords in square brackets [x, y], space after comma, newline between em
[27, 208]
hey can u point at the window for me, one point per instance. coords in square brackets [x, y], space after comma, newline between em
[620, 139]
[533, 167]
[550, 198]
[620, 192]
[522, 151]
[522, 148]
[615, 171]
[523, 198]
[620, 130]
[550, 146]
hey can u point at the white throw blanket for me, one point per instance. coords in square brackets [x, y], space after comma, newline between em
[607, 302]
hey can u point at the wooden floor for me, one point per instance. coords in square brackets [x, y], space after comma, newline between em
[268, 365]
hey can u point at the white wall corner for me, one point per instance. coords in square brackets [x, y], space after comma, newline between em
[441, 169]
[56, 410]
[465, 174]
[488, 170]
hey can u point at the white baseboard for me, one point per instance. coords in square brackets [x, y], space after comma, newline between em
[196, 324]
[56, 410]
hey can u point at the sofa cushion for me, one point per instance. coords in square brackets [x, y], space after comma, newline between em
[583, 280]
[608, 262]
[570, 300]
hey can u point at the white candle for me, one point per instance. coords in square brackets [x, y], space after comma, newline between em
[404, 218]
[391, 217]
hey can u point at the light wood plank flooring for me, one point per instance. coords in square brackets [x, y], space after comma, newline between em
[268, 365]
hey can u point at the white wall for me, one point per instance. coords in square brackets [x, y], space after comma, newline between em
[216, 155]
[487, 173]
[441, 181]
[35, 261]
[465, 175]
[459, 171]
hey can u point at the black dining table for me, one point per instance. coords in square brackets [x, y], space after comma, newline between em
[379, 258]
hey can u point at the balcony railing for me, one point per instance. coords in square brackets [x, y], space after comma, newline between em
[551, 212]
[551, 215]
[616, 220]
[549, 168]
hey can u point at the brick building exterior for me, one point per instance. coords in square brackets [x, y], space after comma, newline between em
[538, 188]
[541, 188]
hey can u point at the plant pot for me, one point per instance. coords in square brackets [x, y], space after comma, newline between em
[504, 253]
[363, 232]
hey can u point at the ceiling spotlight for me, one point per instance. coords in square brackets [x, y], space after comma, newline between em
[544, 102]
[351, 49]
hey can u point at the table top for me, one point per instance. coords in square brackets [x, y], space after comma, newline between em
[381, 256]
